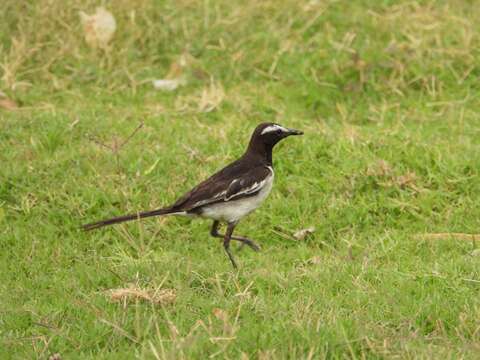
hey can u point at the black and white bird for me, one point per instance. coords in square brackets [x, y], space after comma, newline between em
[230, 194]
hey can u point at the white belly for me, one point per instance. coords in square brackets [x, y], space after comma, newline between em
[232, 211]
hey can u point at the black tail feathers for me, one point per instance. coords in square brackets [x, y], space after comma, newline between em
[120, 219]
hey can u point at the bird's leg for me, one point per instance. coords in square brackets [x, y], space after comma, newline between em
[226, 242]
[214, 230]
[245, 241]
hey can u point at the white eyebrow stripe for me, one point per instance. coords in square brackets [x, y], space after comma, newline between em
[272, 128]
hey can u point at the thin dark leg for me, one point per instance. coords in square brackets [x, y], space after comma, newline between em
[214, 229]
[226, 243]
[245, 241]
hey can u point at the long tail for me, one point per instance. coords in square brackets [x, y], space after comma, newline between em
[120, 219]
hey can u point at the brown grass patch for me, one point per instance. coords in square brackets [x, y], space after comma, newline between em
[444, 236]
[135, 293]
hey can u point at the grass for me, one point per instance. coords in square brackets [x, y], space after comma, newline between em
[386, 93]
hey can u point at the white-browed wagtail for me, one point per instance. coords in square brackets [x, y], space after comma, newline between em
[230, 194]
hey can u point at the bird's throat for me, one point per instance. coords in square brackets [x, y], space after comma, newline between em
[259, 152]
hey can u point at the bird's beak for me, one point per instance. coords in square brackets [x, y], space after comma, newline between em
[294, 132]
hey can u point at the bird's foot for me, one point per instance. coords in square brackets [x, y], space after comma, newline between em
[254, 246]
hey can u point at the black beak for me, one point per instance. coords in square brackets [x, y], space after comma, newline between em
[294, 132]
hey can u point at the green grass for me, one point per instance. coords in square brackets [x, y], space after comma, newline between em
[387, 94]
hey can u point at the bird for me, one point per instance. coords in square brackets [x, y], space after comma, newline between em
[228, 195]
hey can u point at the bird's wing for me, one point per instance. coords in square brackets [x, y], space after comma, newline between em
[247, 185]
[232, 184]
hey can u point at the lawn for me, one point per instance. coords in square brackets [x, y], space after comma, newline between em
[387, 173]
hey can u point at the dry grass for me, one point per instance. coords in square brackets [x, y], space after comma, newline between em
[446, 236]
[134, 293]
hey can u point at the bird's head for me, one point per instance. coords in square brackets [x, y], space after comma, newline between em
[271, 133]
